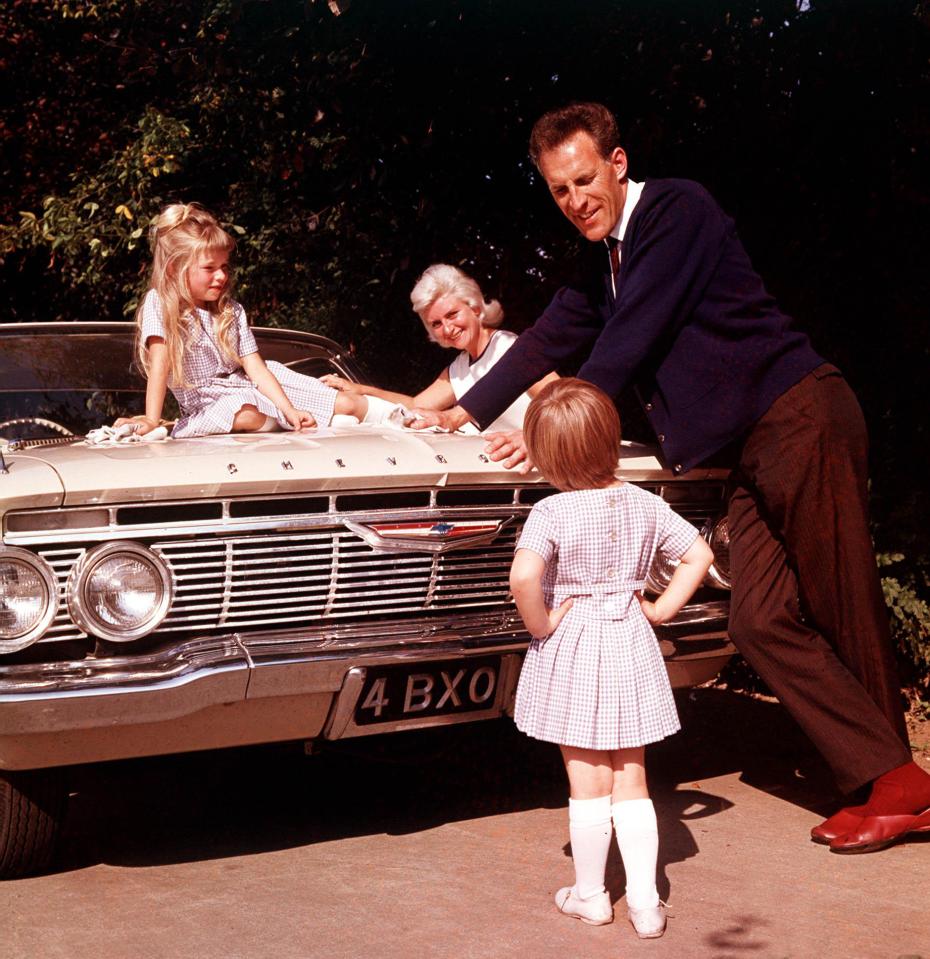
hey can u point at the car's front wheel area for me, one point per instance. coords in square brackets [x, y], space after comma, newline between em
[32, 805]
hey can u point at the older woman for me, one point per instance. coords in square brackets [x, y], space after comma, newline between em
[453, 310]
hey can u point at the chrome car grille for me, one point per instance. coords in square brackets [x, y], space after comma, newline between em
[264, 580]
[252, 564]
[242, 582]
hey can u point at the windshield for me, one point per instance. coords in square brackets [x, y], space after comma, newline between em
[82, 380]
[82, 361]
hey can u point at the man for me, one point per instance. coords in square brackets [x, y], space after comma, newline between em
[671, 304]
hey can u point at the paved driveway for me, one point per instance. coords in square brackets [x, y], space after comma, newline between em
[406, 848]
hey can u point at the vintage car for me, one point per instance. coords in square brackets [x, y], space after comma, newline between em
[200, 593]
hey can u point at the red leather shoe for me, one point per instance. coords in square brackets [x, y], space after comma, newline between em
[838, 825]
[877, 832]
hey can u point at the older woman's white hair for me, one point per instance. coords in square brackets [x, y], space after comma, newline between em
[442, 279]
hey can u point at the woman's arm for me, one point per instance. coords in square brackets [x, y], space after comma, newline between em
[685, 580]
[526, 585]
[155, 388]
[437, 396]
[267, 384]
[363, 389]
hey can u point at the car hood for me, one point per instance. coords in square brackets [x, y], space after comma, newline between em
[249, 464]
[26, 481]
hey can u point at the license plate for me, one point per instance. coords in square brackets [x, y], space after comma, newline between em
[392, 694]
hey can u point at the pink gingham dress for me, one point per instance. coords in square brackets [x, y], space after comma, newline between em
[599, 681]
[218, 387]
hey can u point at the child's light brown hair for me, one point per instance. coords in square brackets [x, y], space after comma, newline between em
[178, 236]
[572, 433]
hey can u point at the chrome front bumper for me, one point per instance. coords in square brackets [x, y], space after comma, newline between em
[237, 689]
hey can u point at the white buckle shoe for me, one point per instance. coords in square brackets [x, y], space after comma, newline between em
[649, 923]
[596, 910]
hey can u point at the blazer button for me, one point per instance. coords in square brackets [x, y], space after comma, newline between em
[649, 407]
[678, 467]
[661, 437]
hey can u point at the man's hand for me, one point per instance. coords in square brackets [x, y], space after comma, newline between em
[511, 448]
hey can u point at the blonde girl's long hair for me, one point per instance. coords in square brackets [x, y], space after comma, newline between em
[178, 236]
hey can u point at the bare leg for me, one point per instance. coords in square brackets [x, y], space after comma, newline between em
[351, 404]
[629, 781]
[249, 419]
[590, 772]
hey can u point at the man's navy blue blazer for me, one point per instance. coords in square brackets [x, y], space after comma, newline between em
[692, 327]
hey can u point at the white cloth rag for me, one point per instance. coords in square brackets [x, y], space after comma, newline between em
[123, 435]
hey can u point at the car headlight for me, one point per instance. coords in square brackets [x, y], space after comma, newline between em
[28, 598]
[119, 591]
[719, 540]
[718, 536]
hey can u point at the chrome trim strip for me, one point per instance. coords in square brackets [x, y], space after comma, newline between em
[695, 505]
[397, 641]
[341, 713]
[186, 660]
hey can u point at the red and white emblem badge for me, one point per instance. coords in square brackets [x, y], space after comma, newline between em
[434, 537]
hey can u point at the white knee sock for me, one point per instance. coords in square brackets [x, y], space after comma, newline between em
[638, 839]
[379, 410]
[589, 828]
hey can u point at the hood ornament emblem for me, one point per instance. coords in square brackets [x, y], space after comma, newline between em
[438, 536]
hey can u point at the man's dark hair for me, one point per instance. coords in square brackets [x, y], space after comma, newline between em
[553, 128]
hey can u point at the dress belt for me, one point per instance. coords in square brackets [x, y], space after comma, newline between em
[610, 601]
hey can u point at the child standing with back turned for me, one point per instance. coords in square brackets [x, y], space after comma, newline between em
[594, 680]
[193, 337]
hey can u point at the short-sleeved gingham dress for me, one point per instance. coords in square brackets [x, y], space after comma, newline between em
[599, 681]
[216, 387]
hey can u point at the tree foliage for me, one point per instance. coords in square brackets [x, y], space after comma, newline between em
[346, 153]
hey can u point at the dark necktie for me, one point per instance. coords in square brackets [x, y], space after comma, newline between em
[613, 249]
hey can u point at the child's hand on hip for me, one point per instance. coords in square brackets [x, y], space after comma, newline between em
[649, 610]
[557, 615]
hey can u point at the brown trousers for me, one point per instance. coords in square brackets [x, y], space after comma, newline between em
[807, 609]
